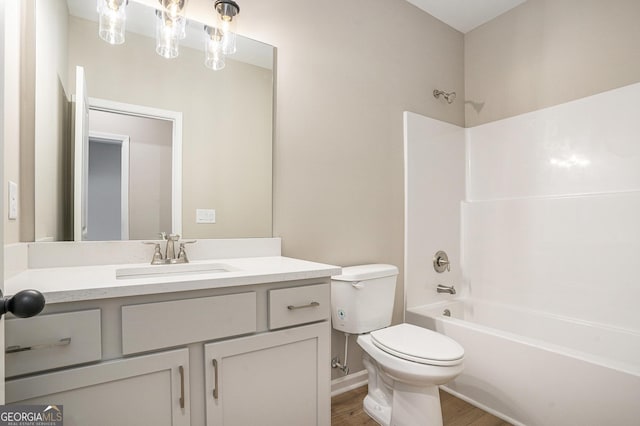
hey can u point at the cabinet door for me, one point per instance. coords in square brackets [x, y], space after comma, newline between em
[146, 390]
[277, 378]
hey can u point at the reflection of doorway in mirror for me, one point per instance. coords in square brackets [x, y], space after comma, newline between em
[108, 187]
[147, 178]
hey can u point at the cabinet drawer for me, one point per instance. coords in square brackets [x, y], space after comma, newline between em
[298, 305]
[52, 341]
[165, 324]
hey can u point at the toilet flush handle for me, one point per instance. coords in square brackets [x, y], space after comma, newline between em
[357, 285]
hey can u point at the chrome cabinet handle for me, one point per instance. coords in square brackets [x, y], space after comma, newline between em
[181, 370]
[17, 348]
[310, 305]
[215, 379]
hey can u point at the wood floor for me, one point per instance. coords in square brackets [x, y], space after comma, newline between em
[346, 410]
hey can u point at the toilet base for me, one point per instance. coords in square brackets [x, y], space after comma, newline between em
[416, 406]
[393, 403]
[378, 412]
[409, 409]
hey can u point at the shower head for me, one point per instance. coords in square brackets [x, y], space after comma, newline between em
[449, 97]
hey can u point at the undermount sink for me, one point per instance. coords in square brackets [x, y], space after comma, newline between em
[172, 270]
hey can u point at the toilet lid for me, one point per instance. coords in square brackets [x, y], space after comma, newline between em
[418, 344]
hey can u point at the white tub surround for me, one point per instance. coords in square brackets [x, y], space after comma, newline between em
[553, 200]
[549, 225]
[434, 187]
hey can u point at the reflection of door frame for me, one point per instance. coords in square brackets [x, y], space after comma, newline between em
[176, 146]
[123, 141]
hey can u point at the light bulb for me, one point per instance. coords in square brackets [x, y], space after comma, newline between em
[228, 11]
[175, 10]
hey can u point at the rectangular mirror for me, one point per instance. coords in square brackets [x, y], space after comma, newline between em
[153, 144]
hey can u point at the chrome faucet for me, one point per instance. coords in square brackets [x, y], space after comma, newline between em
[170, 248]
[170, 255]
[446, 289]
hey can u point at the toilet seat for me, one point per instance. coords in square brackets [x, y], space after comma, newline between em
[418, 344]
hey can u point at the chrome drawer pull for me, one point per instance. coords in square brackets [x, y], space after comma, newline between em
[310, 305]
[181, 371]
[17, 348]
[215, 379]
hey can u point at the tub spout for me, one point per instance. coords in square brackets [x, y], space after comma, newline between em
[445, 289]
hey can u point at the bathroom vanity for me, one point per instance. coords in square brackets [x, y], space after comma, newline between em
[227, 342]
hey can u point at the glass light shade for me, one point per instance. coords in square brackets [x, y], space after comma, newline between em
[229, 43]
[167, 35]
[112, 19]
[175, 10]
[227, 20]
[214, 58]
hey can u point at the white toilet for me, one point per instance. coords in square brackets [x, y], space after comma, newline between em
[405, 363]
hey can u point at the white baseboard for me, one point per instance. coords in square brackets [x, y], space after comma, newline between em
[348, 382]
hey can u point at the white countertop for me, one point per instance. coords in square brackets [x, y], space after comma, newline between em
[71, 284]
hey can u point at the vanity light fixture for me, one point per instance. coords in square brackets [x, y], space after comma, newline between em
[112, 20]
[170, 27]
[227, 19]
[171, 22]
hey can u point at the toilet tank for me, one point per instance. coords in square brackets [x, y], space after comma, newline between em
[362, 298]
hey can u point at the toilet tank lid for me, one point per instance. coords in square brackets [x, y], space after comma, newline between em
[366, 272]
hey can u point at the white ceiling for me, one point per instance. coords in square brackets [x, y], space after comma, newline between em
[465, 15]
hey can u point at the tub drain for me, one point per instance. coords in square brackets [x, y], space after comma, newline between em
[446, 313]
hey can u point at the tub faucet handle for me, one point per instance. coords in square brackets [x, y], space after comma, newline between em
[441, 262]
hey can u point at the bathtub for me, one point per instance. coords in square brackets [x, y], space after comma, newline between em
[531, 368]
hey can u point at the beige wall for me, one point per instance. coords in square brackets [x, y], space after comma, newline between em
[226, 132]
[344, 77]
[546, 52]
[51, 118]
[11, 99]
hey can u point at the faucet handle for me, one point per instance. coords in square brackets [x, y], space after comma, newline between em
[157, 254]
[441, 262]
[182, 253]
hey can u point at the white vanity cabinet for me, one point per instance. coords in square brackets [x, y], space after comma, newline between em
[156, 359]
[268, 379]
[143, 390]
[275, 378]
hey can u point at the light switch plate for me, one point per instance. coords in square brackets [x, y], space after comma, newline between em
[13, 200]
[205, 216]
